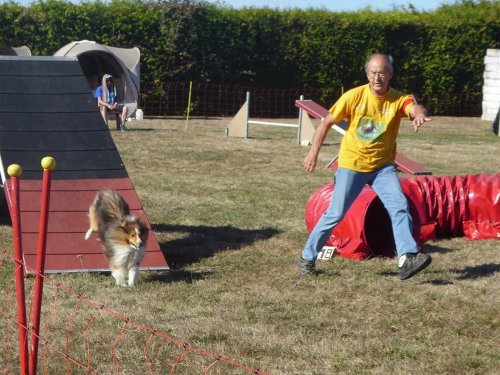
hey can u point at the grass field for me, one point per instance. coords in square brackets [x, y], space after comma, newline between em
[229, 215]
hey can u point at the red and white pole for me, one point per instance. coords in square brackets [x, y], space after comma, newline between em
[48, 164]
[15, 171]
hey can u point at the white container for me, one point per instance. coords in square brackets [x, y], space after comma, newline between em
[139, 115]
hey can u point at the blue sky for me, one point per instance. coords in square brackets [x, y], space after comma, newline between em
[337, 5]
[331, 5]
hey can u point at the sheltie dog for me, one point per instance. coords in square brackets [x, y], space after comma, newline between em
[123, 235]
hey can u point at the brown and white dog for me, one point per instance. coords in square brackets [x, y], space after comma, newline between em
[123, 235]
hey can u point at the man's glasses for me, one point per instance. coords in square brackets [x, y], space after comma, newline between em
[375, 74]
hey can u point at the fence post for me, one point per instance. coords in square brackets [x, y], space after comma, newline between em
[189, 104]
[48, 164]
[15, 171]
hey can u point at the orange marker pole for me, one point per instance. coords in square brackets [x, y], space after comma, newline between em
[14, 171]
[48, 164]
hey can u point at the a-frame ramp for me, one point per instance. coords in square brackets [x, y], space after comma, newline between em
[46, 109]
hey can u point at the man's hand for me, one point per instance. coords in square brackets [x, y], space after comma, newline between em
[419, 115]
[309, 163]
[419, 120]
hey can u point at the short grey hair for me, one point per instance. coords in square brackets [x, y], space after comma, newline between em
[388, 58]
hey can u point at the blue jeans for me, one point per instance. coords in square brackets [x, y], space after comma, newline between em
[348, 185]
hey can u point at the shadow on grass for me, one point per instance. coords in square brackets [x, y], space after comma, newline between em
[483, 270]
[467, 273]
[173, 276]
[205, 241]
[430, 249]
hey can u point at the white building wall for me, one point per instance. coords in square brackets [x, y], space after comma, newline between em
[491, 86]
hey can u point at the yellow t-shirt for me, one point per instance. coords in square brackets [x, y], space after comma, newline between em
[372, 127]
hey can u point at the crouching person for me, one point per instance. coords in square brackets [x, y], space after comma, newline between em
[108, 100]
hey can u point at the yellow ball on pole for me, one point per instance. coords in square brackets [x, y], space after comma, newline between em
[49, 163]
[14, 170]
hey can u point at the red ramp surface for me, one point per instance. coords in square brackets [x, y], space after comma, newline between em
[46, 109]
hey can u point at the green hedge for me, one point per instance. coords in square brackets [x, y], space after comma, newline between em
[435, 52]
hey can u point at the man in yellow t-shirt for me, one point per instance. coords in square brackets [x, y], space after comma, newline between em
[367, 152]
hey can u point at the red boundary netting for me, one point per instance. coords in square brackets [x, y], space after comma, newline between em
[160, 99]
[88, 339]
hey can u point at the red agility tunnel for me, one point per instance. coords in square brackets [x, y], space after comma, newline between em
[441, 207]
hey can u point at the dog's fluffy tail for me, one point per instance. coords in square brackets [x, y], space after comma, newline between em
[89, 233]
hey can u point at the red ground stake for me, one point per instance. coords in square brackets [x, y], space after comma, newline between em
[48, 164]
[14, 172]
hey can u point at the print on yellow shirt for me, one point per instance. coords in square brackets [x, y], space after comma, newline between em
[369, 130]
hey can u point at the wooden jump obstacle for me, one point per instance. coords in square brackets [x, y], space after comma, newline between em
[239, 125]
[403, 163]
